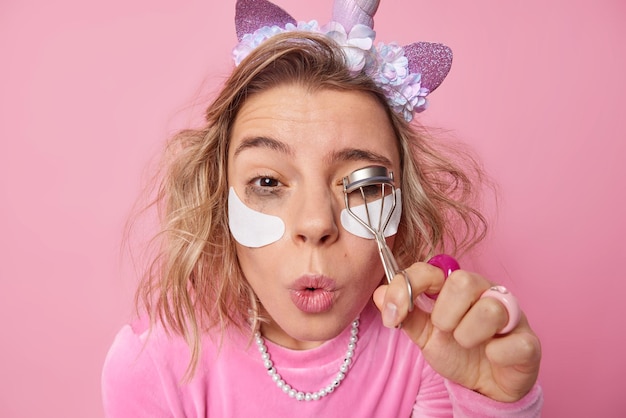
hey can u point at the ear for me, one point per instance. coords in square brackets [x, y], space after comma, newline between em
[431, 60]
[251, 15]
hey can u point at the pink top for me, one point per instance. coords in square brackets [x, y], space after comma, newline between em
[143, 377]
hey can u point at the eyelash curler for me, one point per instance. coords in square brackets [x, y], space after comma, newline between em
[375, 183]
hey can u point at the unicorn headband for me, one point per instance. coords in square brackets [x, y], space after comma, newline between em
[406, 74]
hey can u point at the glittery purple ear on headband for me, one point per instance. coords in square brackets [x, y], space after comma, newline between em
[432, 60]
[251, 15]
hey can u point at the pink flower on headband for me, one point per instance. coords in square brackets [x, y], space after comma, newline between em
[393, 65]
[408, 97]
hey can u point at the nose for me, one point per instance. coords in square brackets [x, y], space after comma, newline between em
[315, 217]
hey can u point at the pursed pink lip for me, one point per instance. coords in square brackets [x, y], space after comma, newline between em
[313, 293]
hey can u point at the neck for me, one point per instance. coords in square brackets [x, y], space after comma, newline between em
[272, 332]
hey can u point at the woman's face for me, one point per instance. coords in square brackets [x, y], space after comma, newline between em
[289, 151]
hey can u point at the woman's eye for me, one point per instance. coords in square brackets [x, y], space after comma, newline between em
[266, 182]
[265, 186]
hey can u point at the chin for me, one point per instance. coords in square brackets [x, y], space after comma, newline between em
[301, 330]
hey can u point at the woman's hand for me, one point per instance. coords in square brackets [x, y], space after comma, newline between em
[459, 339]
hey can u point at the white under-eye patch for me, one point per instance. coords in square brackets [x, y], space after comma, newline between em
[354, 227]
[251, 228]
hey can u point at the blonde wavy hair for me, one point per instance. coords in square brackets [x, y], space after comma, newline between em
[195, 283]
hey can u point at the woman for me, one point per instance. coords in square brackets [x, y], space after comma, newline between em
[265, 302]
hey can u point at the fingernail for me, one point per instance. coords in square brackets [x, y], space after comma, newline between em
[390, 315]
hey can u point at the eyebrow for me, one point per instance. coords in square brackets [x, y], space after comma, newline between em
[264, 142]
[357, 154]
[343, 155]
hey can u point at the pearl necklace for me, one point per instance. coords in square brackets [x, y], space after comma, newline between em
[309, 396]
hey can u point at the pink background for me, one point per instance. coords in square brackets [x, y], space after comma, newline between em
[88, 93]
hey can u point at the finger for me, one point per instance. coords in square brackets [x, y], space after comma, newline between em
[515, 360]
[426, 278]
[459, 293]
[413, 324]
[520, 349]
[509, 302]
[388, 310]
[483, 320]
[395, 304]
[392, 301]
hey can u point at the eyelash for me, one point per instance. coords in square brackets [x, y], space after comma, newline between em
[372, 191]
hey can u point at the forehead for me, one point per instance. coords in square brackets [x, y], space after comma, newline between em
[315, 121]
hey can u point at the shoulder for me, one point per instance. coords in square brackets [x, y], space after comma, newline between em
[141, 366]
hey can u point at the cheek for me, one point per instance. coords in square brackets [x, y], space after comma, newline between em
[262, 256]
[361, 256]
[258, 264]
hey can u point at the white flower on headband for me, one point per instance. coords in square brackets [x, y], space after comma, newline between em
[385, 64]
[356, 45]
